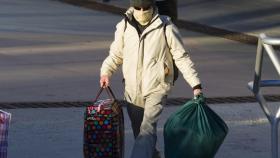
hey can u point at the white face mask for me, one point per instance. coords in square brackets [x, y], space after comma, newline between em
[143, 17]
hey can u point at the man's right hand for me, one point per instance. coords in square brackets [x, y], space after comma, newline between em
[104, 81]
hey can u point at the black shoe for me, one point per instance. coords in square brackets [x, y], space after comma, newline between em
[156, 154]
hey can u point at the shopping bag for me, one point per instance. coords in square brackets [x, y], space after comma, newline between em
[5, 119]
[194, 131]
[104, 128]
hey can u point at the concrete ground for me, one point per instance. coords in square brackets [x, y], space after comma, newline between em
[51, 51]
[58, 132]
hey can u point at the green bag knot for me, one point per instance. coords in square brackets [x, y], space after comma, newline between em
[199, 99]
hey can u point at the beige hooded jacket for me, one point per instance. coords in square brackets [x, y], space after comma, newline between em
[146, 60]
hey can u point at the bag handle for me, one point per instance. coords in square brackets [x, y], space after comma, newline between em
[109, 92]
[200, 99]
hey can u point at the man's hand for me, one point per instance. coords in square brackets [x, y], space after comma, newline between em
[196, 92]
[104, 81]
[1, 119]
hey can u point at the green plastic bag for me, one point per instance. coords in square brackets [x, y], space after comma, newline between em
[194, 131]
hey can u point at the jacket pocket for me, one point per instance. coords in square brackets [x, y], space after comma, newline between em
[168, 72]
[161, 72]
[164, 74]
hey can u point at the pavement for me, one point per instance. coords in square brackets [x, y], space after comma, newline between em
[58, 132]
[51, 51]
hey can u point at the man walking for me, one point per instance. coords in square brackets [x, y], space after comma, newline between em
[147, 44]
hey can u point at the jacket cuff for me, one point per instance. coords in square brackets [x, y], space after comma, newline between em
[197, 87]
[102, 73]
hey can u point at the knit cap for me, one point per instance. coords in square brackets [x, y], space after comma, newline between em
[142, 3]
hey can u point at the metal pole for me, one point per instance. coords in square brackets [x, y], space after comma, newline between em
[258, 67]
[264, 107]
[265, 43]
[273, 57]
[274, 138]
[269, 40]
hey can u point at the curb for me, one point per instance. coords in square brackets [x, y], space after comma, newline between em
[170, 102]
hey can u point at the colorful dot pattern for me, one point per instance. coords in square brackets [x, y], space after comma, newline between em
[103, 130]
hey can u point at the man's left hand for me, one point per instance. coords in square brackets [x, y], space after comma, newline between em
[196, 92]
